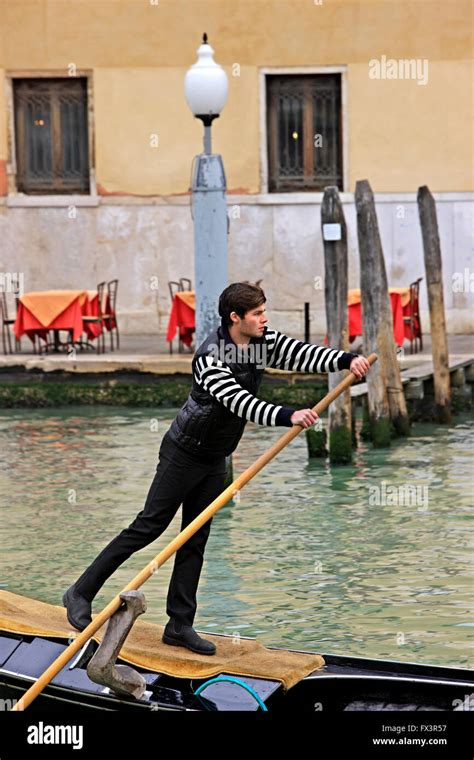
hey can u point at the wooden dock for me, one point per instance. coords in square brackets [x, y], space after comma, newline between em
[417, 374]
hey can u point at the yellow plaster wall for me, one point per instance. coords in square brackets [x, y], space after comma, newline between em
[399, 133]
[402, 134]
[133, 105]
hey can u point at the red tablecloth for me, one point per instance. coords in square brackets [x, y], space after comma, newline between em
[182, 315]
[401, 307]
[355, 319]
[39, 312]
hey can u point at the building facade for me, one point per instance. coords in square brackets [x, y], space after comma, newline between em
[96, 143]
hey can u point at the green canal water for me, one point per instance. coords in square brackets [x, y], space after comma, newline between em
[334, 559]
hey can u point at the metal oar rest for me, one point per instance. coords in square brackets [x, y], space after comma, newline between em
[102, 669]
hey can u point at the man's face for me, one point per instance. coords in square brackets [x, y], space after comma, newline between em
[253, 322]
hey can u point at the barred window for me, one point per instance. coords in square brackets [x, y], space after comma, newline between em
[304, 128]
[51, 135]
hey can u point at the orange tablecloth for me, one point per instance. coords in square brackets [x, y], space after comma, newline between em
[50, 310]
[46, 310]
[183, 315]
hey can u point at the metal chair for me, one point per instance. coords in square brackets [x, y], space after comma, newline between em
[99, 319]
[111, 317]
[414, 321]
[7, 323]
[185, 279]
[174, 287]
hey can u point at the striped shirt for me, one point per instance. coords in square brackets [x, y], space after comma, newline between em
[279, 352]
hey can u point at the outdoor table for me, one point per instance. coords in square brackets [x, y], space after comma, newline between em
[182, 316]
[55, 310]
[400, 303]
[401, 307]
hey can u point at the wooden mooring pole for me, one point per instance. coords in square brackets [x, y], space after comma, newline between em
[335, 293]
[385, 391]
[434, 280]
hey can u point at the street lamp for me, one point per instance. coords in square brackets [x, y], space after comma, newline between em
[205, 89]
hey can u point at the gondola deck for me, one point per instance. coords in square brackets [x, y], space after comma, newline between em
[144, 648]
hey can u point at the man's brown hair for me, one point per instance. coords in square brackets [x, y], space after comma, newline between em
[240, 297]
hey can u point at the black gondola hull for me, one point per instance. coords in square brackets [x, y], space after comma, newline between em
[343, 684]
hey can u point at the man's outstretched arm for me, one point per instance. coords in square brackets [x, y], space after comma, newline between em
[216, 378]
[297, 356]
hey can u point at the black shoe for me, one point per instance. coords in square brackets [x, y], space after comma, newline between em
[78, 609]
[187, 637]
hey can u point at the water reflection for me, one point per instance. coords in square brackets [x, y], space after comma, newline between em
[306, 559]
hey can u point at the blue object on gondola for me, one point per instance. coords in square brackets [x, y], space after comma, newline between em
[239, 683]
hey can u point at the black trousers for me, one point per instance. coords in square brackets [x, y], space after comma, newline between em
[180, 479]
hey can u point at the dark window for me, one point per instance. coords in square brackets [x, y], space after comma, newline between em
[304, 132]
[51, 135]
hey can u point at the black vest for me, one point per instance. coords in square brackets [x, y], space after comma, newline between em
[204, 427]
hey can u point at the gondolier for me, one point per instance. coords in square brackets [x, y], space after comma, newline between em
[227, 371]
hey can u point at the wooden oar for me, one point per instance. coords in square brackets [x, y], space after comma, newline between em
[176, 543]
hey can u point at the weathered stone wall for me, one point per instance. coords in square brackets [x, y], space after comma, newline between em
[145, 243]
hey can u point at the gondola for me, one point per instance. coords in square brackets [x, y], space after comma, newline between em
[342, 684]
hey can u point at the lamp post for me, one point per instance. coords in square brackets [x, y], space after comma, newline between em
[205, 89]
